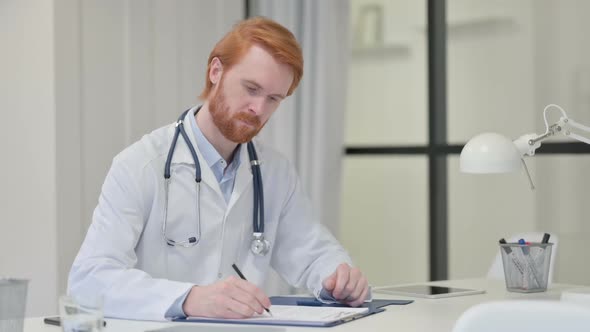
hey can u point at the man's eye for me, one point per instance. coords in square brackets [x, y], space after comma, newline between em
[251, 90]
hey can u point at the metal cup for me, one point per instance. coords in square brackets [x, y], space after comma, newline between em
[13, 300]
[526, 266]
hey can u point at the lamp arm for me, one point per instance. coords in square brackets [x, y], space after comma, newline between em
[527, 144]
[568, 124]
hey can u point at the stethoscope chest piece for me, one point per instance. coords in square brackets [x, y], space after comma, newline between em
[259, 246]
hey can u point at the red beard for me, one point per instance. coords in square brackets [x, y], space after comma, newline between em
[231, 126]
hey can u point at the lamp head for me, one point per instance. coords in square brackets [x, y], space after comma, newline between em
[490, 153]
[494, 153]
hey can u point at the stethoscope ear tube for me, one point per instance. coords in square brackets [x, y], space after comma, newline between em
[180, 130]
[193, 153]
[171, 153]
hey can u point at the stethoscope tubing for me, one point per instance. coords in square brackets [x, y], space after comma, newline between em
[258, 207]
[258, 216]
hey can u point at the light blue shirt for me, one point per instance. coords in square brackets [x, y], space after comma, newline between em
[225, 175]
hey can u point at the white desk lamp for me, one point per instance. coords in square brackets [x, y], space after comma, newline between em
[494, 153]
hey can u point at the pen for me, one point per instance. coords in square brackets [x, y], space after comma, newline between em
[524, 248]
[529, 261]
[514, 259]
[57, 321]
[540, 259]
[244, 278]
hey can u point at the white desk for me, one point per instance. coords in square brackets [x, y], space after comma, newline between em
[422, 315]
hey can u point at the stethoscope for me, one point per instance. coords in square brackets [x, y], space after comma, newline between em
[259, 246]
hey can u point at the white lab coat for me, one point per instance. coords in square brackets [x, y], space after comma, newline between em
[124, 256]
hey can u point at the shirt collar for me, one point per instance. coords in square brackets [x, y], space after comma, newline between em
[207, 150]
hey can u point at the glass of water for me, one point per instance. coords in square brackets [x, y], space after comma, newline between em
[81, 315]
[13, 300]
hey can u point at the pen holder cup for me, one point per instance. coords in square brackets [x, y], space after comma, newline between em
[13, 300]
[526, 266]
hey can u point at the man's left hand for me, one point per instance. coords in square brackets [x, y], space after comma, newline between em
[348, 285]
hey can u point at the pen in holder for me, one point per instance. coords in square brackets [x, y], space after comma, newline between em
[526, 266]
[530, 264]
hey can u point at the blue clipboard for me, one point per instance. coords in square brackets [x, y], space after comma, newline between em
[375, 306]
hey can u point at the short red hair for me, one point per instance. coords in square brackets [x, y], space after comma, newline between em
[263, 32]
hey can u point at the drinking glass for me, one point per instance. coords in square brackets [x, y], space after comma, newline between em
[81, 314]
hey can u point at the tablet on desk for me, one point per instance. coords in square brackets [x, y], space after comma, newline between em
[428, 291]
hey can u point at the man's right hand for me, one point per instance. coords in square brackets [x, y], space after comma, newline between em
[229, 298]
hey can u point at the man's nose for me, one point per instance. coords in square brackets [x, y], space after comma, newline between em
[257, 106]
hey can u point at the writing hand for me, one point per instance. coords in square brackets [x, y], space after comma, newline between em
[228, 298]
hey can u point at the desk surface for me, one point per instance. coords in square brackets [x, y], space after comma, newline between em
[422, 315]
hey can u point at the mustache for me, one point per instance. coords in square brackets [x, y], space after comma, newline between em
[248, 118]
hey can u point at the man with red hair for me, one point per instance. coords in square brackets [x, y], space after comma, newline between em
[135, 254]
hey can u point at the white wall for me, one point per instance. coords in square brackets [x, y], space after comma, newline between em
[27, 141]
[97, 74]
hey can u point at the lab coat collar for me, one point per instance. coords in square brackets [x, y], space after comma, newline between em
[243, 176]
[182, 155]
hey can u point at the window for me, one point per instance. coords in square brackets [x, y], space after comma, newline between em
[418, 90]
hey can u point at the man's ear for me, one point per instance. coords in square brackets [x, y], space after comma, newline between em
[215, 71]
